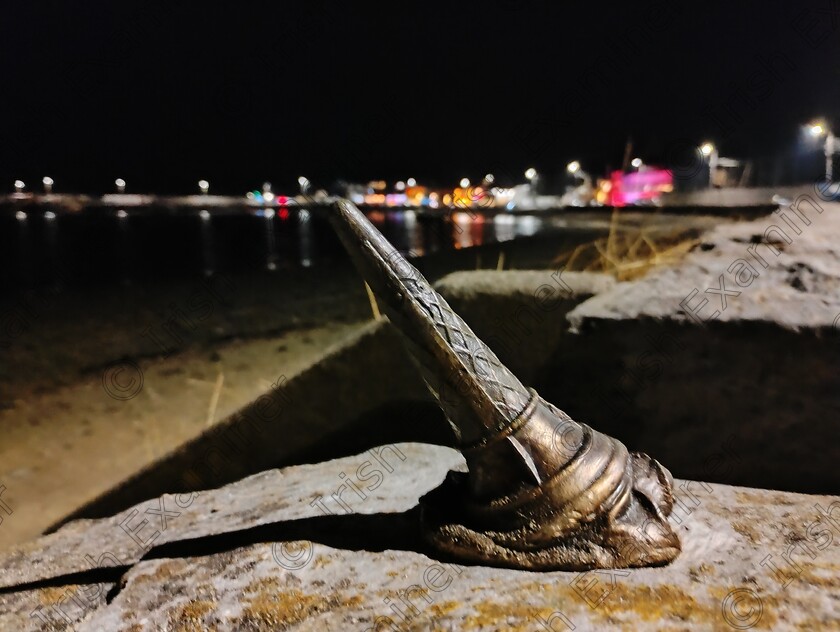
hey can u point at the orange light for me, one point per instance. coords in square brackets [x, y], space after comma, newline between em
[375, 198]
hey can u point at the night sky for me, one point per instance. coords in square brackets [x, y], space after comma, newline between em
[163, 94]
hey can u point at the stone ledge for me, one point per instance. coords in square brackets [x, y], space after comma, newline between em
[299, 549]
[781, 276]
[696, 351]
[521, 314]
[509, 284]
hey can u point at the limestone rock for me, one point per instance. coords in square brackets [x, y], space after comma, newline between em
[292, 549]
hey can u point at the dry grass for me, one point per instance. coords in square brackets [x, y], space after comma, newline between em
[628, 252]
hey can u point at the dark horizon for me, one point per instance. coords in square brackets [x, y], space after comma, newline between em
[163, 96]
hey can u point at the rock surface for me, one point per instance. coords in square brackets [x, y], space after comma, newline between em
[51, 608]
[303, 549]
[728, 361]
[771, 274]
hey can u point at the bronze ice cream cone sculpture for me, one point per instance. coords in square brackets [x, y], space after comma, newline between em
[543, 492]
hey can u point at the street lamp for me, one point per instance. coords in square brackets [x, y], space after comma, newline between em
[709, 151]
[533, 178]
[465, 182]
[120, 184]
[489, 178]
[574, 169]
[636, 163]
[267, 193]
[48, 184]
[19, 186]
[204, 186]
[411, 182]
[816, 130]
[304, 184]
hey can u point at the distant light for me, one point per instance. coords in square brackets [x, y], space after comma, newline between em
[303, 215]
[636, 162]
[465, 182]
[400, 185]
[19, 185]
[122, 214]
[266, 187]
[120, 184]
[20, 215]
[204, 186]
[489, 178]
[48, 182]
[816, 129]
[573, 167]
[268, 196]
[250, 195]
[706, 149]
[531, 173]
[411, 182]
[269, 213]
[49, 215]
[204, 214]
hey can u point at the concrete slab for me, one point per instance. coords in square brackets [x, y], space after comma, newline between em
[727, 361]
[339, 391]
[521, 314]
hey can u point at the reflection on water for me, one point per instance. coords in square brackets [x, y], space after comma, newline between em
[106, 244]
[207, 242]
[424, 234]
[304, 238]
[508, 227]
[270, 240]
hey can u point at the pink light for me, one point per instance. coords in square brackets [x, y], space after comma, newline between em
[638, 186]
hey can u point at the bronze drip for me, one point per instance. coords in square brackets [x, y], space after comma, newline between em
[543, 491]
